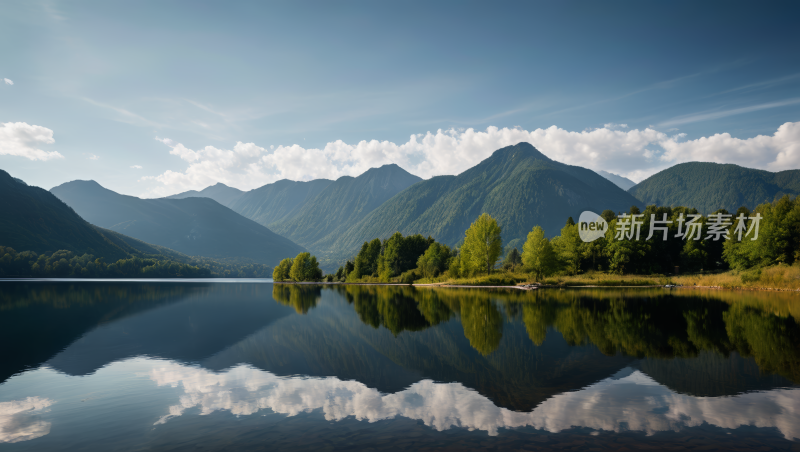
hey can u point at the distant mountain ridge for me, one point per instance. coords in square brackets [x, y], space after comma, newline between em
[219, 192]
[193, 226]
[621, 182]
[278, 201]
[343, 203]
[712, 186]
[517, 185]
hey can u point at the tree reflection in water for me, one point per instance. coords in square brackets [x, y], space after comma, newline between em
[641, 323]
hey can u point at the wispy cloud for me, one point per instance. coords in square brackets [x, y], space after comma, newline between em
[764, 84]
[93, 157]
[8, 81]
[136, 166]
[707, 116]
[127, 116]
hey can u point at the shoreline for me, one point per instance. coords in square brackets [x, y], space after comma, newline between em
[543, 286]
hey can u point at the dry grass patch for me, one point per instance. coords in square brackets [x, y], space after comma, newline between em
[782, 277]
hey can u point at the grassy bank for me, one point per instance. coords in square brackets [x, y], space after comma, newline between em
[779, 277]
[505, 278]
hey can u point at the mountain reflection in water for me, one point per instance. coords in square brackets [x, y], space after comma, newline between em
[489, 360]
[633, 400]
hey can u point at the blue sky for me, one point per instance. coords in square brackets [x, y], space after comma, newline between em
[172, 87]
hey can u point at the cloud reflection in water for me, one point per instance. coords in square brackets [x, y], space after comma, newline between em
[635, 402]
[18, 420]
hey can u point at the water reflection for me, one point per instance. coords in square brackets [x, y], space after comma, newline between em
[453, 359]
[629, 401]
[19, 419]
[654, 323]
[50, 316]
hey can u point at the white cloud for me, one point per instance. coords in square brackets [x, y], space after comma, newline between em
[136, 166]
[635, 402]
[778, 152]
[613, 126]
[8, 81]
[20, 139]
[17, 422]
[93, 157]
[635, 154]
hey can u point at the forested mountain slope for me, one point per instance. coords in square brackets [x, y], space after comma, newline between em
[343, 203]
[194, 226]
[34, 220]
[517, 185]
[279, 201]
[219, 192]
[712, 186]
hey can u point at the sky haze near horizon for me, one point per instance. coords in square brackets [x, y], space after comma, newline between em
[154, 98]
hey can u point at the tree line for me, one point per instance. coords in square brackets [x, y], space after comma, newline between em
[406, 259]
[66, 264]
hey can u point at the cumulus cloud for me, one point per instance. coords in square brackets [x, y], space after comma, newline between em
[136, 166]
[635, 154]
[8, 81]
[93, 157]
[19, 421]
[635, 402]
[20, 139]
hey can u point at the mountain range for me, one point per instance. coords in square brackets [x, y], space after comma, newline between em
[517, 185]
[193, 226]
[712, 186]
[35, 220]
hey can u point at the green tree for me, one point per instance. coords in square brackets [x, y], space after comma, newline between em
[434, 261]
[482, 245]
[305, 268]
[512, 260]
[537, 254]
[366, 263]
[401, 254]
[281, 272]
[568, 248]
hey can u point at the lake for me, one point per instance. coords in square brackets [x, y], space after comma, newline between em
[247, 364]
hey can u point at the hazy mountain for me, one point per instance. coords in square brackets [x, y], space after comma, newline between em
[34, 220]
[219, 192]
[138, 247]
[194, 226]
[621, 182]
[279, 201]
[712, 186]
[342, 204]
[517, 185]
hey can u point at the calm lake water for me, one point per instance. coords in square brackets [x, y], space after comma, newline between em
[254, 365]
